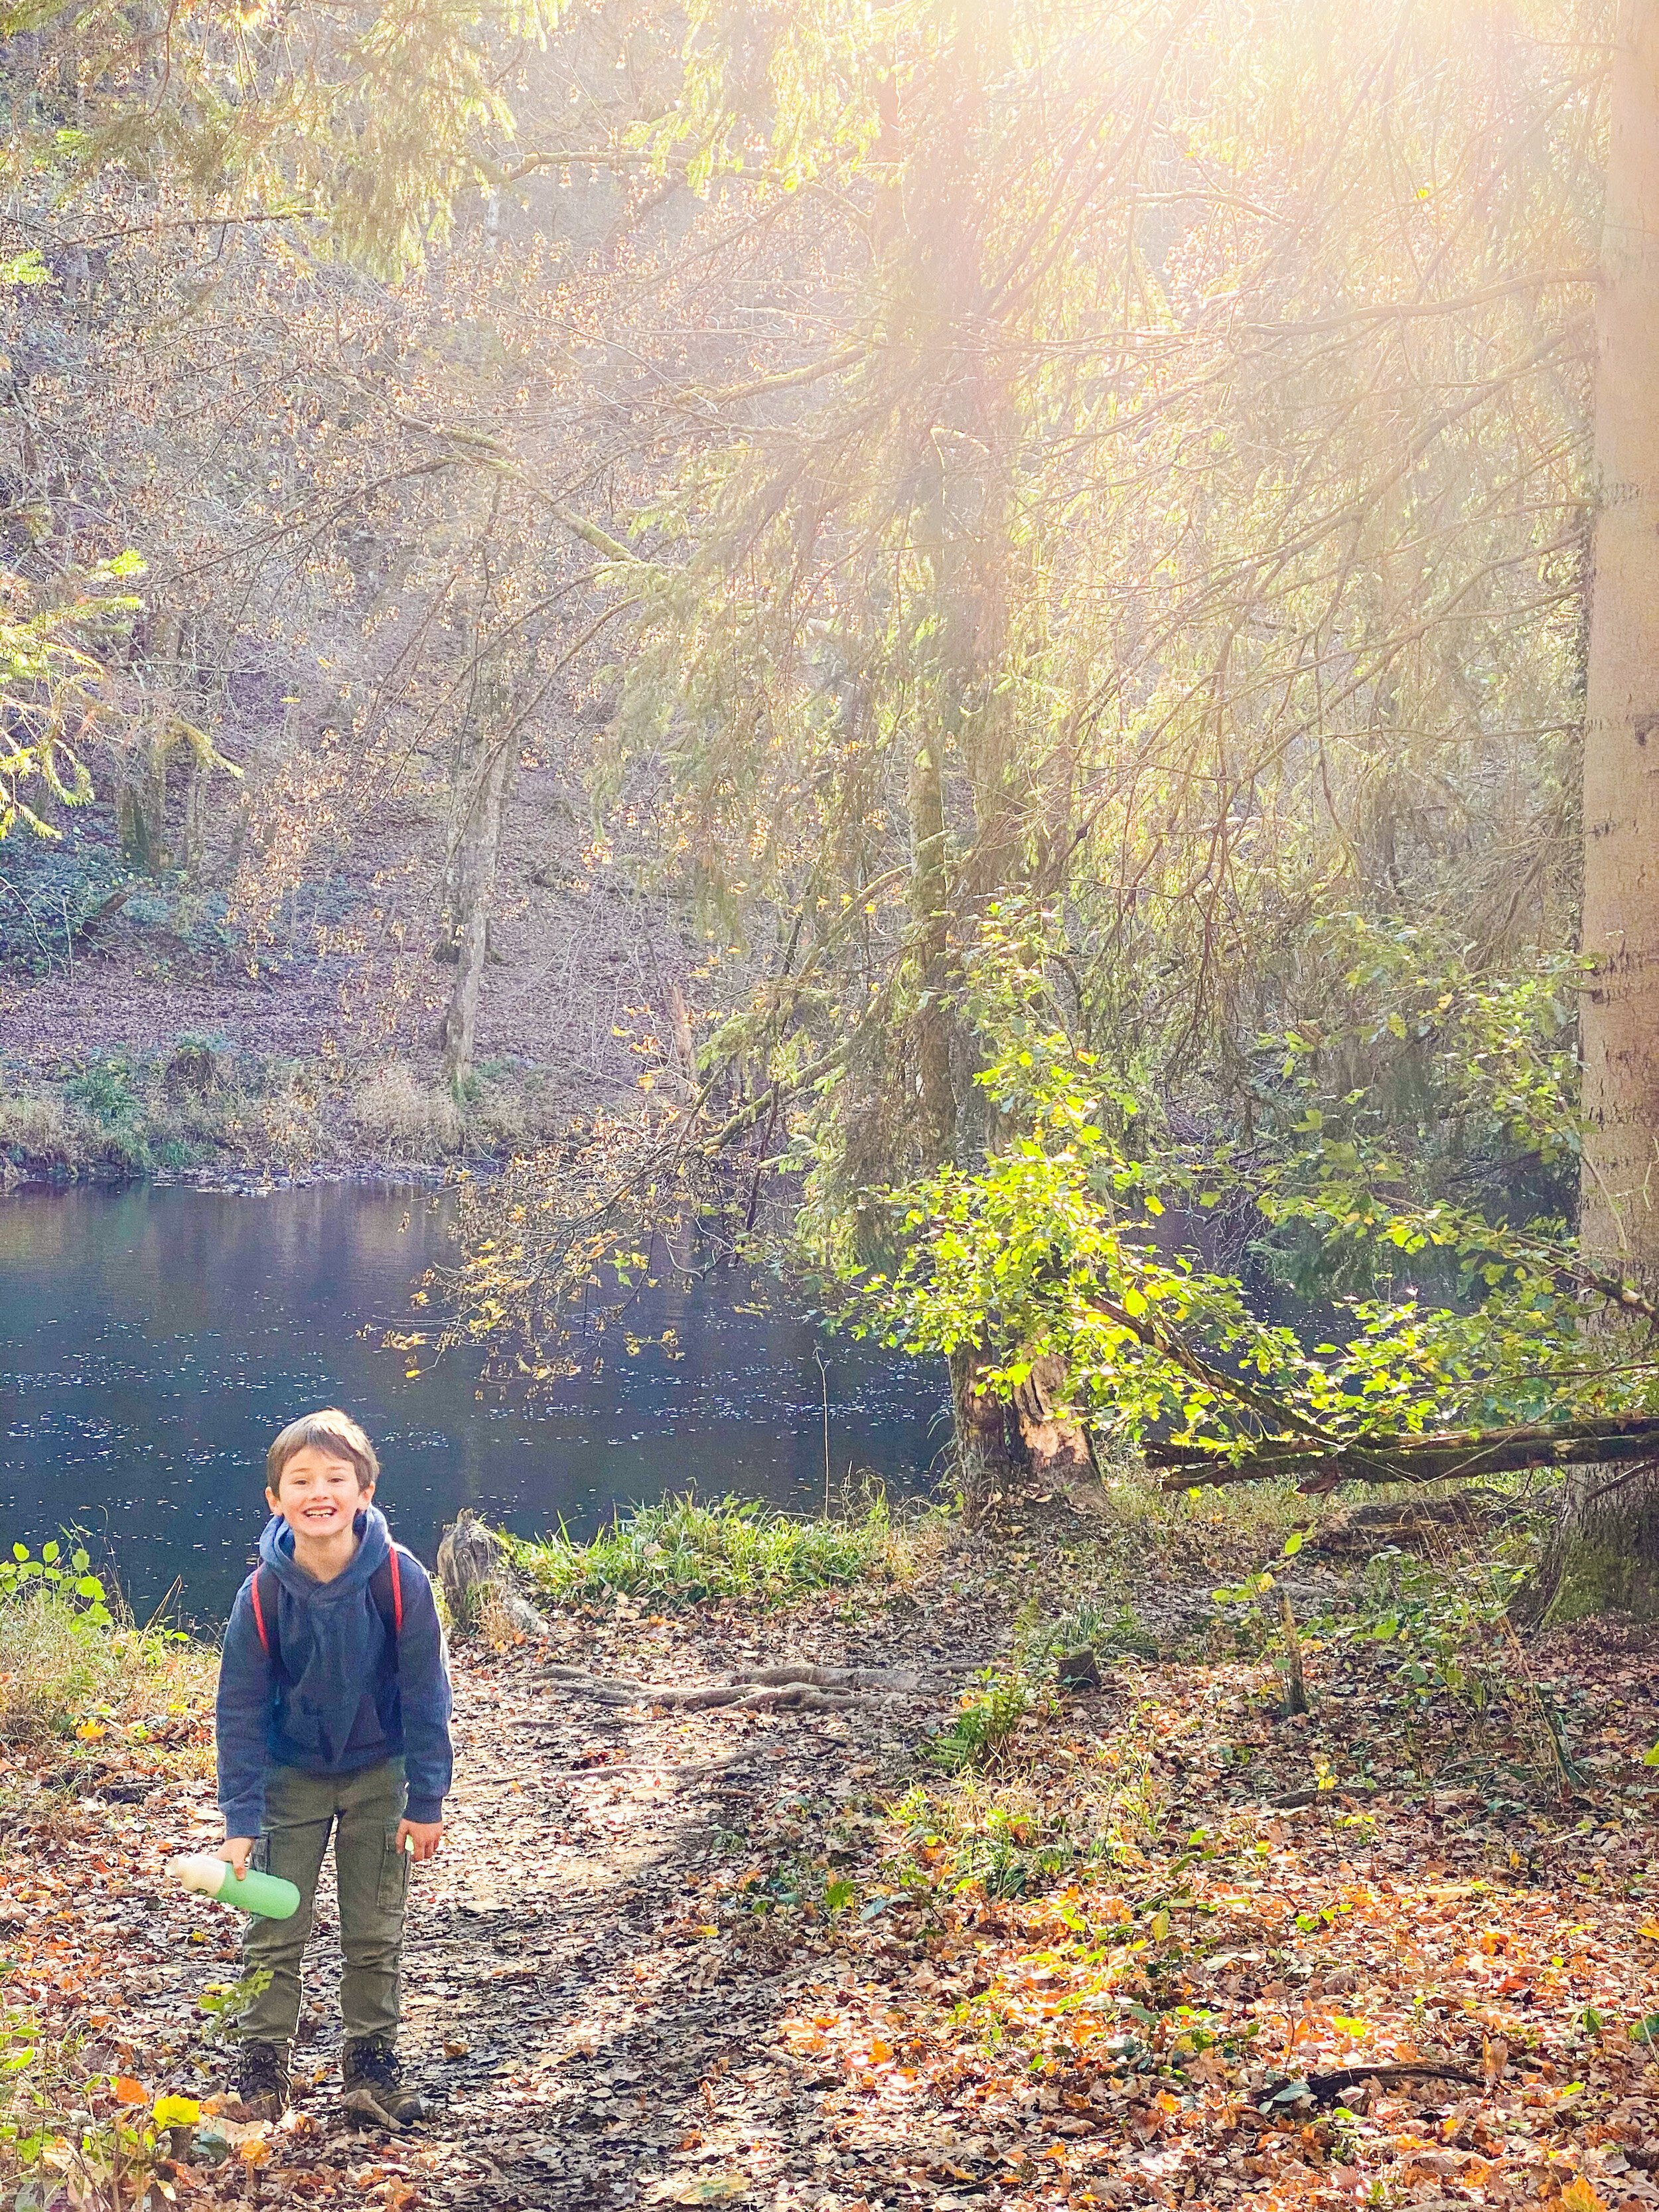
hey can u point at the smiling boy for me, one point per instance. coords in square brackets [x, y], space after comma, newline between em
[333, 1716]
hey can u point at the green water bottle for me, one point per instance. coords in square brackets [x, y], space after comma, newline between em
[267, 1894]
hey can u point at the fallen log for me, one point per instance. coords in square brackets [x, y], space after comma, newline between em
[1449, 1456]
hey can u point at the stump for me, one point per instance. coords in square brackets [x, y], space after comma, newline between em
[475, 1581]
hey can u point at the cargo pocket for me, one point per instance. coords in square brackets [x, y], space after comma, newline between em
[259, 1857]
[394, 1875]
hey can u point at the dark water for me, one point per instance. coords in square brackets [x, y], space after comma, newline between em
[153, 1341]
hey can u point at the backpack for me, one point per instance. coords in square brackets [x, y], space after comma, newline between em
[385, 1586]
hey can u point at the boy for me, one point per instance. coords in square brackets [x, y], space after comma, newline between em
[333, 1713]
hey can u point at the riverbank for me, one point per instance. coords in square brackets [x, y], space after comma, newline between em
[958, 1936]
[200, 1112]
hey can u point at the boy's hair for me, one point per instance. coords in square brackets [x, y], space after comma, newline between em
[331, 1432]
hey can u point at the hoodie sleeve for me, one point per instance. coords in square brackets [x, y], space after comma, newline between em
[423, 1694]
[241, 1720]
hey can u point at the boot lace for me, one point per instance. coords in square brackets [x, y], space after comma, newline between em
[375, 2064]
[258, 2073]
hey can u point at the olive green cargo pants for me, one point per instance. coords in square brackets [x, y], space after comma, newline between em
[363, 1810]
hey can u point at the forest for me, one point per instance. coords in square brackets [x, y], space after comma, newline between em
[988, 663]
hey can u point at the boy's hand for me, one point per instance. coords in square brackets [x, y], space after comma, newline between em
[424, 1835]
[236, 1849]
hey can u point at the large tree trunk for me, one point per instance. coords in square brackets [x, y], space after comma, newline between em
[962, 532]
[1056, 1441]
[1606, 1550]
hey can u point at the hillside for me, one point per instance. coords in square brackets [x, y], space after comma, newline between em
[172, 1033]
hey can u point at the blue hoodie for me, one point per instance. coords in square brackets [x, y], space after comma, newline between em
[349, 1693]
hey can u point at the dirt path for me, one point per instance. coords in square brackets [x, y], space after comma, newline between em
[596, 1993]
[620, 2043]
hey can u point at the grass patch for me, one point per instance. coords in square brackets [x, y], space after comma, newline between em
[684, 1553]
[53, 1680]
[72, 1662]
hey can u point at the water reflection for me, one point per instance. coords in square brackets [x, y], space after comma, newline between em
[152, 1341]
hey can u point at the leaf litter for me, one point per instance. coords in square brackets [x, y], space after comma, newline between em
[1157, 1944]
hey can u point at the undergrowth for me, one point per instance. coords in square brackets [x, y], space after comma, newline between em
[684, 1552]
[1416, 1677]
[72, 1662]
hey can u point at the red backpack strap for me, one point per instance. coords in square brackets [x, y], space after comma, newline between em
[259, 1621]
[387, 1588]
[266, 1593]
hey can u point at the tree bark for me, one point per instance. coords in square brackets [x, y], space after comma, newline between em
[984, 1432]
[1606, 1553]
[474, 858]
[141, 780]
[961, 532]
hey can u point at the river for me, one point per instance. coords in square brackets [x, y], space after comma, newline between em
[152, 1341]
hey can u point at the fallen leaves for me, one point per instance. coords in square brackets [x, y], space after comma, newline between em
[1114, 1970]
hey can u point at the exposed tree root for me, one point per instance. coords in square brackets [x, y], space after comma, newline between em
[764, 1689]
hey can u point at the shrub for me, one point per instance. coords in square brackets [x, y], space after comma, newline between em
[987, 1716]
[197, 1067]
[396, 1111]
[68, 1655]
[105, 1089]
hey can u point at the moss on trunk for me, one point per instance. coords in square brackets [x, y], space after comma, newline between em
[1605, 1555]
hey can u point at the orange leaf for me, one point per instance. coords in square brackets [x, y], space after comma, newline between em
[129, 2092]
[1579, 2196]
[880, 2052]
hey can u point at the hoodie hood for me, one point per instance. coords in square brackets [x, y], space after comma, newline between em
[373, 1544]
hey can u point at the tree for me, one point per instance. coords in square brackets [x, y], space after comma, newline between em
[1122, 515]
[1606, 1553]
[185, 131]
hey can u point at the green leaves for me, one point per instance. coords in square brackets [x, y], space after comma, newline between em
[1059, 1246]
[89, 1599]
[48, 672]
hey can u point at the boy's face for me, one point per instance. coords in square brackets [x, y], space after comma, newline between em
[317, 1494]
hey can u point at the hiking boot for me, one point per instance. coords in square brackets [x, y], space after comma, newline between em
[373, 2084]
[262, 2083]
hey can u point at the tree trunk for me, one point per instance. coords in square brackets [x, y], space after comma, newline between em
[141, 778]
[141, 798]
[961, 526]
[1606, 1553]
[1056, 1441]
[473, 886]
[984, 1430]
